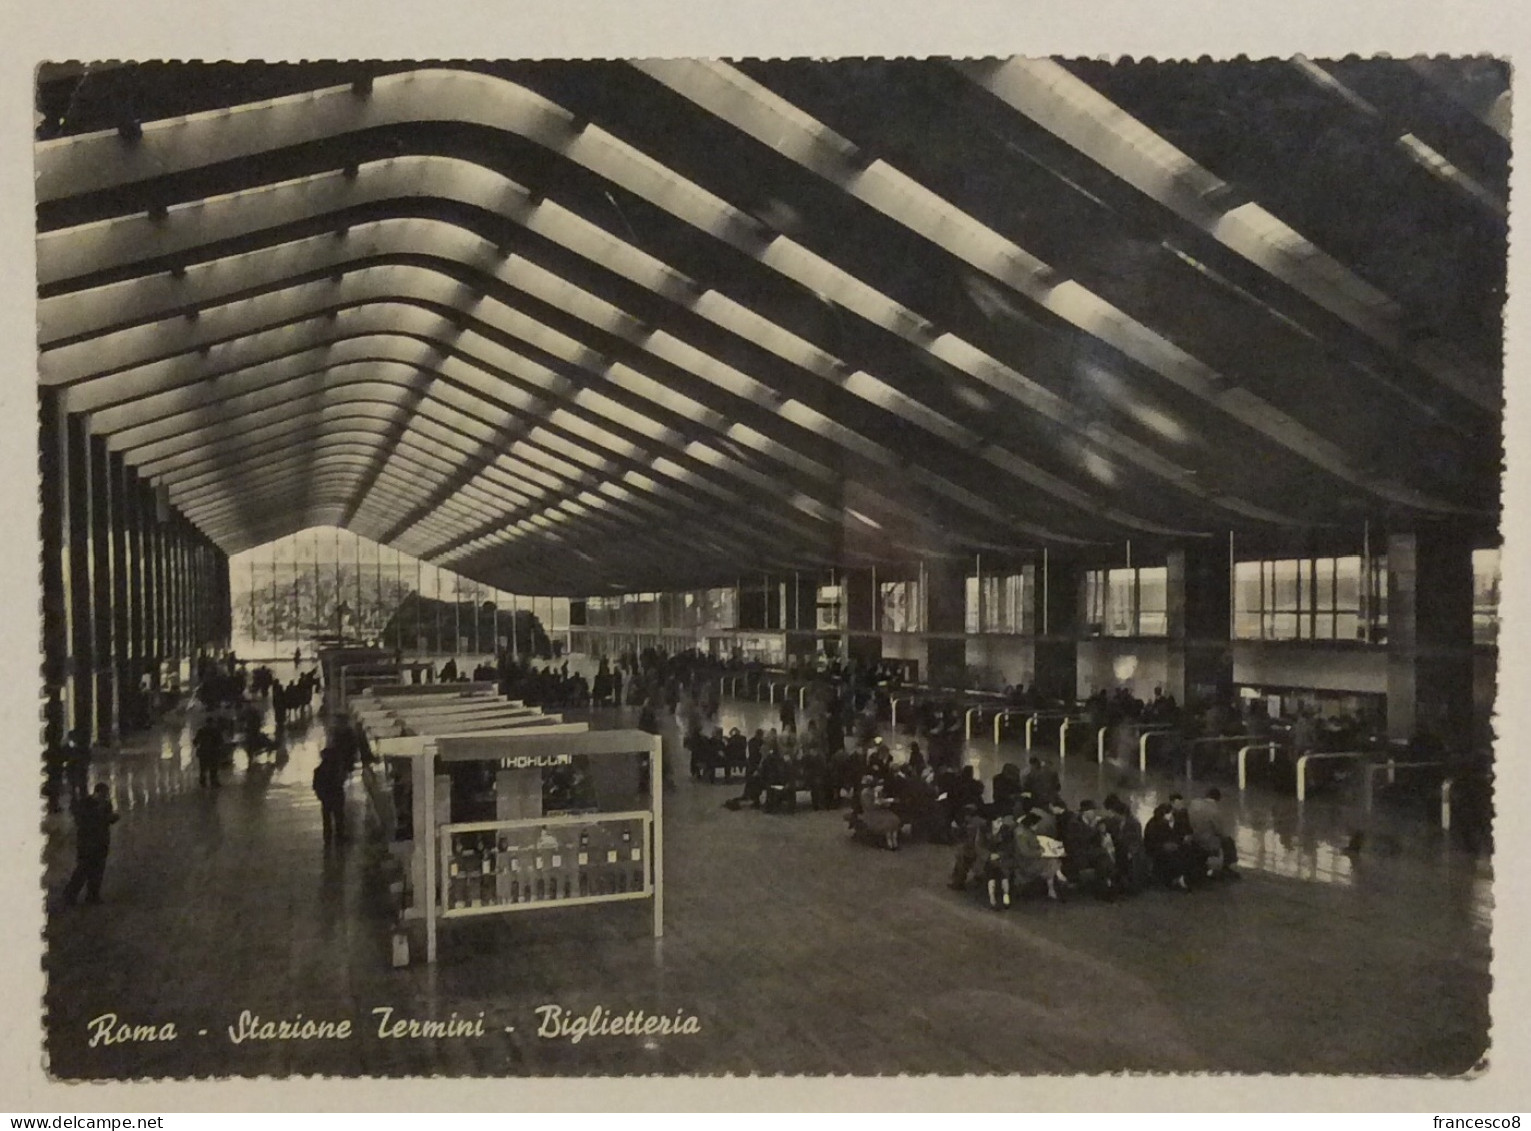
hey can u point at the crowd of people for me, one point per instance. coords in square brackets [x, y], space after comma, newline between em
[1027, 839]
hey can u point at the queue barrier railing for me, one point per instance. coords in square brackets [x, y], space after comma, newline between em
[1104, 732]
[1271, 748]
[1143, 742]
[999, 720]
[1391, 767]
[1063, 728]
[1216, 740]
[1302, 766]
[967, 721]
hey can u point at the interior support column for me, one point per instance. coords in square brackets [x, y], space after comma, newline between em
[124, 677]
[103, 583]
[1199, 610]
[862, 642]
[1430, 634]
[1055, 615]
[54, 521]
[945, 621]
[81, 587]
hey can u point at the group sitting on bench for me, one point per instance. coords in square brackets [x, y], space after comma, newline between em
[1027, 842]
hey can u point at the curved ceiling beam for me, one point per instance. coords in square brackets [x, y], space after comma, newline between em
[1082, 117]
[95, 161]
[746, 538]
[141, 236]
[299, 415]
[207, 333]
[259, 349]
[428, 407]
[219, 515]
[202, 286]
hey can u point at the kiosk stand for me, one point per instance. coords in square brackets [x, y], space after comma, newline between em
[512, 811]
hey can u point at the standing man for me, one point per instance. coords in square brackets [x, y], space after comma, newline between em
[93, 821]
[208, 745]
[330, 789]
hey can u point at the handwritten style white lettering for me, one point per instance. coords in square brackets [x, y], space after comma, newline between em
[554, 1022]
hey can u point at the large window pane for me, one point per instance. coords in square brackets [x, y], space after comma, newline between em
[1153, 601]
[1121, 603]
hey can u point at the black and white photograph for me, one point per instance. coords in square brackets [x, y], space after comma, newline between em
[862, 565]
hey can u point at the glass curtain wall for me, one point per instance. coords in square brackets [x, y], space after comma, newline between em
[326, 585]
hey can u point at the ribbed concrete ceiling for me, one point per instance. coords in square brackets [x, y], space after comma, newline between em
[571, 326]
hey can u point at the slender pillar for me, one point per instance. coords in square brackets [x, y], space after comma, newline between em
[57, 627]
[132, 523]
[1198, 612]
[124, 677]
[103, 543]
[81, 574]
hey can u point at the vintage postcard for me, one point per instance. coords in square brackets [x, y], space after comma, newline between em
[987, 567]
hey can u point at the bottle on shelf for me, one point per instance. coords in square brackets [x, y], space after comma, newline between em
[584, 862]
[633, 852]
[612, 867]
[547, 845]
[516, 878]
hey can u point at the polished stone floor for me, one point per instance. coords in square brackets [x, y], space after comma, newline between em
[797, 949]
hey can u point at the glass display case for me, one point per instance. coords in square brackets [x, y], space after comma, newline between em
[492, 866]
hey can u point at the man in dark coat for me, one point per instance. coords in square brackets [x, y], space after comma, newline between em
[330, 789]
[208, 745]
[93, 821]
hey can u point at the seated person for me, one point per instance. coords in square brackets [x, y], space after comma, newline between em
[1127, 835]
[1037, 857]
[736, 751]
[776, 782]
[972, 847]
[1097, 848]
[876, 815]
[1180, 818]
[717, 754]
[1007, 787]
[1000, 861]
[1210, 834]
[1168, 859]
